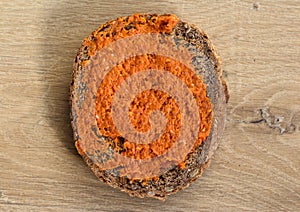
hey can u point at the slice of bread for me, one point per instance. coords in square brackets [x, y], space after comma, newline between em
[152, 44]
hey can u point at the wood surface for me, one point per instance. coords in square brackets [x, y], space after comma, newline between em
[257, 164]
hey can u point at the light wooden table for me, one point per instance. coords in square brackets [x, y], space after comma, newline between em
[255, 168]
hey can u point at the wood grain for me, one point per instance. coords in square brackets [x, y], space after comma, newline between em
[257, 164]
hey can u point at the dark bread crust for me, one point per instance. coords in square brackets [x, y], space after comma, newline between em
[208, 66]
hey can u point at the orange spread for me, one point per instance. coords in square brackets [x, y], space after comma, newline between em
[126, 27]
[140, 108]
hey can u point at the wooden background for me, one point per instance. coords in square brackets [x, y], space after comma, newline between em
[257, 164]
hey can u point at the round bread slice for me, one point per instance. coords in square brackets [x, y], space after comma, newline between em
[148, 103]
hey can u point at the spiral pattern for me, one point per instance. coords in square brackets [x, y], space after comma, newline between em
[144, 109]
[158, 89]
